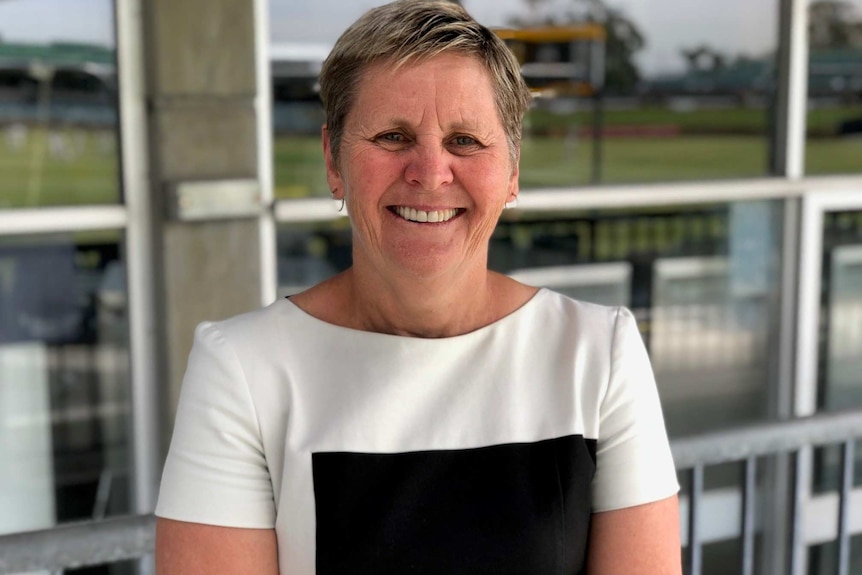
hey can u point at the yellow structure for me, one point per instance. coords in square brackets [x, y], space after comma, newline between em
[560, 60]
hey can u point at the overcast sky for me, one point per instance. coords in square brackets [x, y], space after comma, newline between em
[52, 20]
[732, 26]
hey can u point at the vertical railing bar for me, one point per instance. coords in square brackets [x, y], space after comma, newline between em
[748, 515]
[695, 554]
[847, 461]
[103, 493]
[801, 488]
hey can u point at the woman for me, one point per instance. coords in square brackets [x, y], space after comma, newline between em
[419, 413]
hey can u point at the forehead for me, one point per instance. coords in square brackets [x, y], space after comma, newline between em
[446, 84]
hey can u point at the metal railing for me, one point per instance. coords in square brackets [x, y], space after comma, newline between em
[110, 540]
[747, 444]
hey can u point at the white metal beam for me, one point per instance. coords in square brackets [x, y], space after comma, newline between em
[611, 197]
[55, 220]
[263, 106]
[797, 104]
[146, 444]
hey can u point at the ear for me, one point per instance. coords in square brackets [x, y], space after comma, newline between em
[514, 186]
[333, 176]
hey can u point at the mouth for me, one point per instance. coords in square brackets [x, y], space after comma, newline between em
[421, 216]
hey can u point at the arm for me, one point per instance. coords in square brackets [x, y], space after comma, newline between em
[215, 511]
[635, 523]
[641, 540]
[196, 549]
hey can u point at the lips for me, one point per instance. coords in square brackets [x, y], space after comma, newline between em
[435, 216]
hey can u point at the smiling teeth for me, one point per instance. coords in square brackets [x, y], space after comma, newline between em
[419, 216]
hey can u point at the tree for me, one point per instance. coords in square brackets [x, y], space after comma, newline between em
[624, 39]
[834, 24]
[704, 59]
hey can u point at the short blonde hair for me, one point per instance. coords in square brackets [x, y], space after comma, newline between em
[406, 31]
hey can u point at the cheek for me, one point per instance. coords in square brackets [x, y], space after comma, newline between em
[371, 174]
[489, 191]
[491, 183]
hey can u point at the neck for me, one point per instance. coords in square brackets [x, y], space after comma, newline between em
[421, 307]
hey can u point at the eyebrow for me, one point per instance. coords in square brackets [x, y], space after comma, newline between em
[454, 127]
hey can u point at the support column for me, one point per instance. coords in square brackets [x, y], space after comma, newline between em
[201, 94]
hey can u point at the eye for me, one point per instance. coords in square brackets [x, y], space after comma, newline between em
[460, 144]
[462, 141]
[392, 138]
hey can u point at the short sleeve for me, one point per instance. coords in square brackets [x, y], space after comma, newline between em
[633, 458]
[216, 471]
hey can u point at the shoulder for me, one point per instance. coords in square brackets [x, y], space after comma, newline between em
[256, 327]
[263, 318]
[223, 351]
[254, 339]
[587, 320]
[567, 331]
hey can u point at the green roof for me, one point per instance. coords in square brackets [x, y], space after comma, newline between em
[58, 54]
[838, 56]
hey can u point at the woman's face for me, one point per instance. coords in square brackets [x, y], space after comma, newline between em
[424, 167]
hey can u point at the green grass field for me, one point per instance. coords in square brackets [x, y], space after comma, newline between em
[73, 166]
[70, 167]
[820, 122]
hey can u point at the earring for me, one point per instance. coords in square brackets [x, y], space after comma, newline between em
[513, 203]
[334, 191]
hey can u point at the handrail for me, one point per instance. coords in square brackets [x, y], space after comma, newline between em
[759, 439]
[117, 539]
[78, 544]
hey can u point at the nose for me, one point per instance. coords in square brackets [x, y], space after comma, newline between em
[429, 167]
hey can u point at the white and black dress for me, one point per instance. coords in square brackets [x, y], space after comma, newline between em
[484, 453]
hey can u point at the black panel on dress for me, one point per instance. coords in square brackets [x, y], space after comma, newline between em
[521, 508]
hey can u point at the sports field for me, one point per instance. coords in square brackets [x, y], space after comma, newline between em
[66, 166]
[69, 166]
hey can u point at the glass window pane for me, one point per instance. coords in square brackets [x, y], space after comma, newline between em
[672, 102]
[58, 103]
[834, 143]
[841, 341]
[310, 253]
[823, 558]
[64, 380]
[840, 346]
[684, 90]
